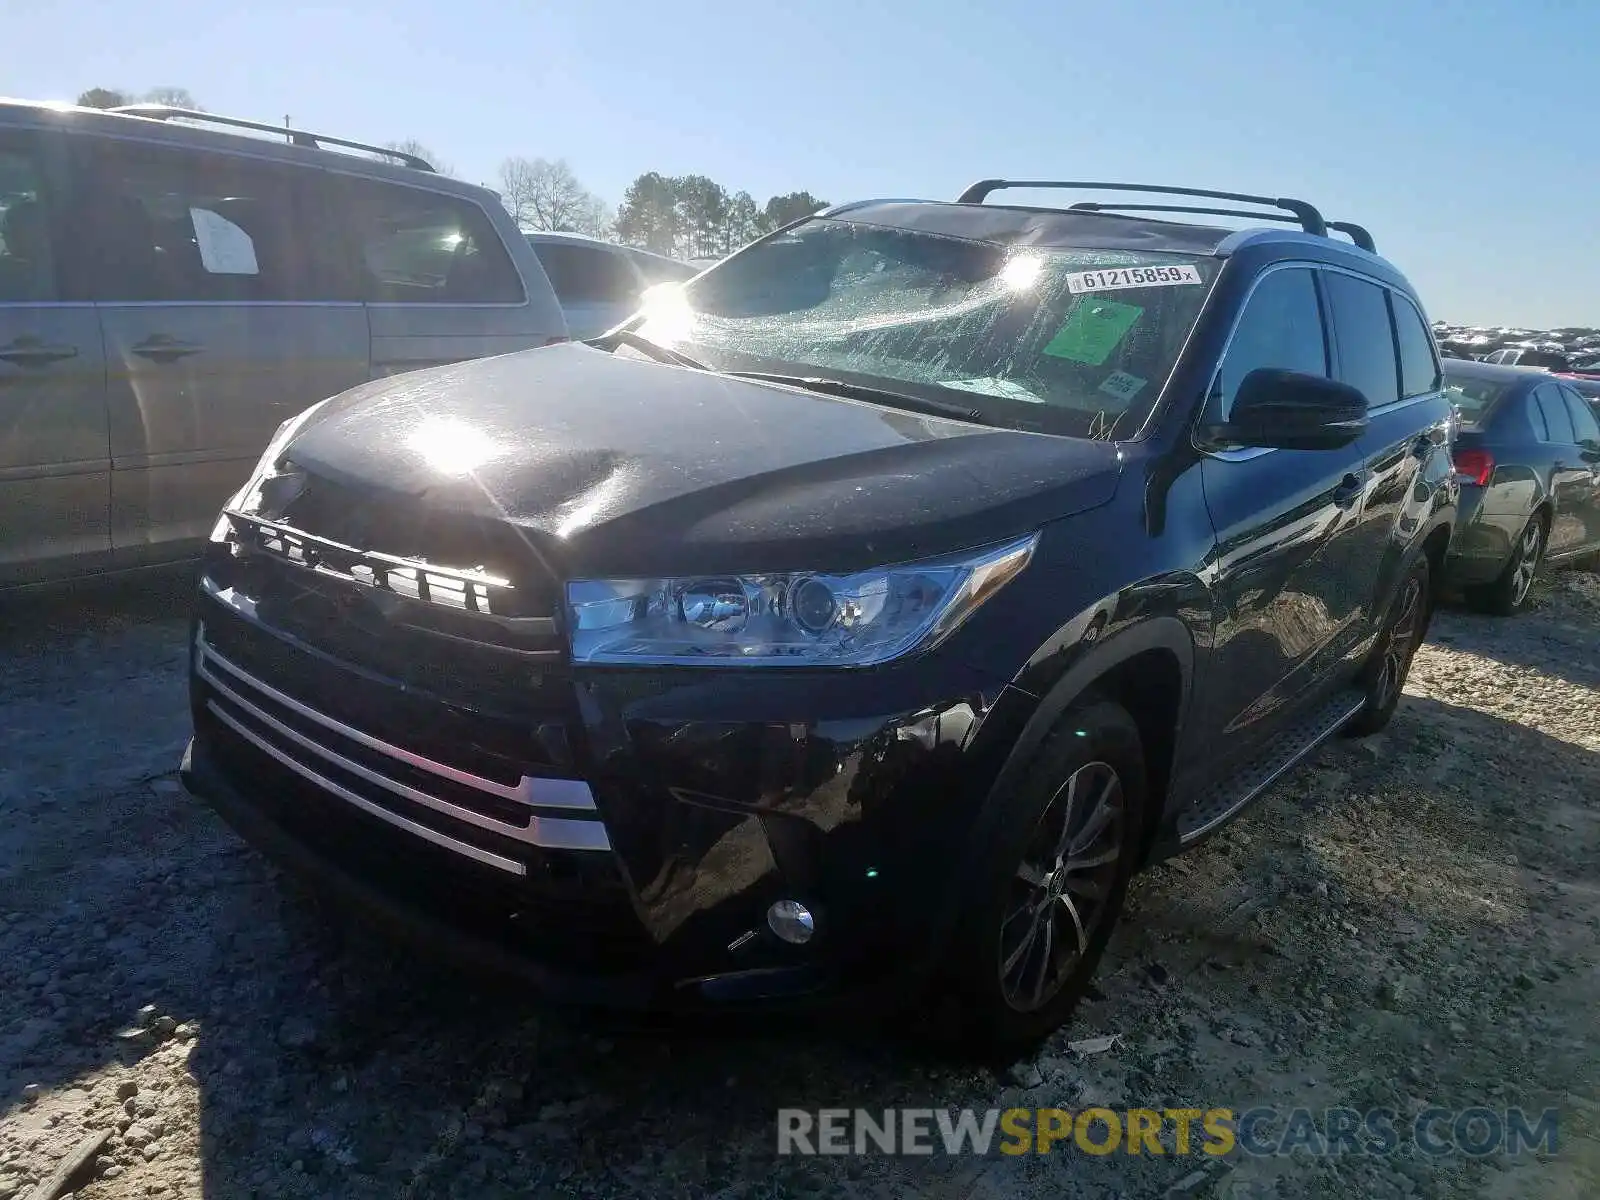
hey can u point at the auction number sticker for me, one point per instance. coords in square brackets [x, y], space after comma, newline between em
[1112, 278]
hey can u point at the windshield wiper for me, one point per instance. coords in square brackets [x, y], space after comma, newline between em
[634, 341]
[867, 392]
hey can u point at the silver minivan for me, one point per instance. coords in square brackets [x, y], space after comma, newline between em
[171, 292]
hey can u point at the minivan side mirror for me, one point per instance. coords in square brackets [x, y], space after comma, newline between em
[1289, 410]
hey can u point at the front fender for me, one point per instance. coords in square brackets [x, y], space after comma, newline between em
[1162, 616]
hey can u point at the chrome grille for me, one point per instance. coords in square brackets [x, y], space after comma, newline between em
[536, 811]
[464, 590]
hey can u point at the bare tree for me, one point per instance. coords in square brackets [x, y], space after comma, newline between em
[414, 147]
[545, 194]
[177, 97]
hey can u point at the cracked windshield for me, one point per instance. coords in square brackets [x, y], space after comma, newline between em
[843, 601]
[1020, 336]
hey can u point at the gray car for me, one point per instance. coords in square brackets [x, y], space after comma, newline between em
[599, 283]
[1528, 459]
[171, 290]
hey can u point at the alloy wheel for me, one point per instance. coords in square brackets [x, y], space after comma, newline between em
[1527, 562]
[1060, 890]
[1404, 634]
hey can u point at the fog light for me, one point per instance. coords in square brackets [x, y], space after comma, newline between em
[792, 921]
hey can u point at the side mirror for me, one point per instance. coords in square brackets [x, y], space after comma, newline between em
[1288, 410]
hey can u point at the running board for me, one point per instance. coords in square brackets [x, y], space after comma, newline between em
[1288, 750]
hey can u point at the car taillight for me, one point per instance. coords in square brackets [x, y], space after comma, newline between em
[1474, 466]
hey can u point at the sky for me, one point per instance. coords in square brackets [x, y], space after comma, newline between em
[1462, 135]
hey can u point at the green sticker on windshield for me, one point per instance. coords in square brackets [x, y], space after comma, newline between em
[1093, 330]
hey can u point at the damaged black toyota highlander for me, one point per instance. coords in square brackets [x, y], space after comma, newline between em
[855, 620]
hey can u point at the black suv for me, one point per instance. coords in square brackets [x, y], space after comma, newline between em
[864, 613]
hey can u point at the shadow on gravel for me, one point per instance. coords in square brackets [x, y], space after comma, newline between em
[33, 617]
[1556, 638]
[336, 1066]
[329, 1063]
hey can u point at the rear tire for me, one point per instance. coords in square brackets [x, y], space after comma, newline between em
[1507, 595]
[1384, 676]
[1045, 897]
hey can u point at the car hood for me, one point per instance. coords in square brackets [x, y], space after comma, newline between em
[617, 464]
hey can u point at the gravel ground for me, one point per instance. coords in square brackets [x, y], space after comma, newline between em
[1412, 920]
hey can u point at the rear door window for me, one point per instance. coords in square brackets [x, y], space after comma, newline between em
[170, 225]
[1364, 336]
[587, 274]
[420, 247]
[1583, 418]
[1419, 369]
[27, 266]
[1535, 418]
[1281, 327]
[1556, 419]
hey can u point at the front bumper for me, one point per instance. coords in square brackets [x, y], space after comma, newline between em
[711, 794]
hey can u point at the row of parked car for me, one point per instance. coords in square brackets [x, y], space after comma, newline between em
[853, 620]
[1528, 449]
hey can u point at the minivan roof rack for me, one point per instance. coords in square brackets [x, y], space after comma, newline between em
[298, 137]
[1310, 219]
[1357, 233]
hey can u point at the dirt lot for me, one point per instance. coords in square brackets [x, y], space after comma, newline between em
[1411, 921]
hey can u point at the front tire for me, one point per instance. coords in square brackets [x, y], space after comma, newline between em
[1384, 677]
[1509, 592]
[1045, 898]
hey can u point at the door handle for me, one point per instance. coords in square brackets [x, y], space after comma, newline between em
[164, 348]
[32, 352]
[1348, 491]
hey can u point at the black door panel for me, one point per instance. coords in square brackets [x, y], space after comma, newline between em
[1280, 571]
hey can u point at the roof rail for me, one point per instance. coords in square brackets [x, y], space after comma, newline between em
[298, 137]
[1357, 233]
[1310, 219]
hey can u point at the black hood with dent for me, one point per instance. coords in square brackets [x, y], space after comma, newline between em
[619, 465]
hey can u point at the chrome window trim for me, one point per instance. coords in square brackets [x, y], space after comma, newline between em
[1247, 453]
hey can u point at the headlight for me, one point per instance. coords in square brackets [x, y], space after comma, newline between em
[249, 497]
[793, 619]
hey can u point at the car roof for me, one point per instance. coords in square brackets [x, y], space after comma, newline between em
[581, 239]
[1027, 225]
[266, 143]
[1471, 368]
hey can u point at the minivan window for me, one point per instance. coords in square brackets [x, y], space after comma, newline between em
[1281, 327]
[1365, 337]
[586, 274]
[175, 226]
[27, 271]
[1419, 369]
[422, 247]
[1063, 340]
[1555, 414]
